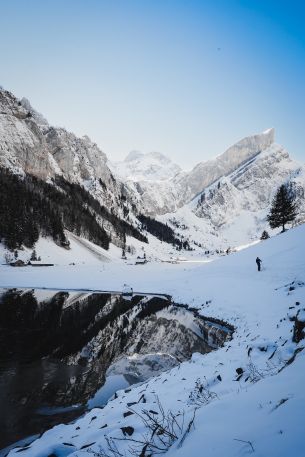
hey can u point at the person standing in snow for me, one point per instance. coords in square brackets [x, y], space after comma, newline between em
[258, 263]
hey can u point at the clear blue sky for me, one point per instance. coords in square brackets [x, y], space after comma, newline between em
[186, 78]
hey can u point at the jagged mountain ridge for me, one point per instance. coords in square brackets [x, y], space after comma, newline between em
[205, 173]
[161, 196]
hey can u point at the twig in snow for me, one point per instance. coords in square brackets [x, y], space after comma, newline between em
[246, 442]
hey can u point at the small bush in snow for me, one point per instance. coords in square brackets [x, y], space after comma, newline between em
[201, 395]
[254, 374]
[162, 430]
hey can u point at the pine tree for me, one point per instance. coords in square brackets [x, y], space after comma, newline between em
[34, 255]
[283, 208]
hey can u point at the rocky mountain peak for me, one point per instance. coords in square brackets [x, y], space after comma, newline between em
[39, 118]
[133, 155]
[247, 148]
[152, 166]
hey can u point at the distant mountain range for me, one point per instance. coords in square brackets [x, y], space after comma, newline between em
[219, 203]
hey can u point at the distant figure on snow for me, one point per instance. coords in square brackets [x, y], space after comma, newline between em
[258, 263]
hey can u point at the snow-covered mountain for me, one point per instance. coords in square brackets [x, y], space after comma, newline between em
[205, 173]
[161, 192]
[149, 177]
[29, 144]
[152, 166]
[232, 210]
[220, 203]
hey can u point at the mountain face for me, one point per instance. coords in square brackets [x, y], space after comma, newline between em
[28, 144]
[75, 167]
[205, 173]
[163, 187]
[223, 203]
[149, 177]
[232, 211]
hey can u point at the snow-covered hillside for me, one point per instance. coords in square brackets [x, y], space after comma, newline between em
[83, 252]
[245, 398]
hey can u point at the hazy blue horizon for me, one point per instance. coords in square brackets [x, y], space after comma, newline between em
[187, 79]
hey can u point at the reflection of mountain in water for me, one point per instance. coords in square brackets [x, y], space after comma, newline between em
[55, 349]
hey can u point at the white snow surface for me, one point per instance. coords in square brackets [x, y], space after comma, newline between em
[263, 412]
[81, 252]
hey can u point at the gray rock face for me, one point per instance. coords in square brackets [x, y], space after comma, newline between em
[205, 173]
[22, 143]
[79, 159]
[37, 116]
[28, 144]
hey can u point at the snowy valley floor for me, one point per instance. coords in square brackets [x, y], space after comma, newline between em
[259, 409]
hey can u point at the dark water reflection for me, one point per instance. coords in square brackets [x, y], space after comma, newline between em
[56, 347]
[40, 331]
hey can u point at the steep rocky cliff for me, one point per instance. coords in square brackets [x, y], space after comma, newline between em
[28, 144]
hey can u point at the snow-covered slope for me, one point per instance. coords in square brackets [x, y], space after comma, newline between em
[246, 398]
[81, 252]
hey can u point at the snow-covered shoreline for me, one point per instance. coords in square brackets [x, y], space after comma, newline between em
[268, 414]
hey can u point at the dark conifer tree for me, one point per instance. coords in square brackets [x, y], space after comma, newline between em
[33, 255]
[283, 209]
[30, 207]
